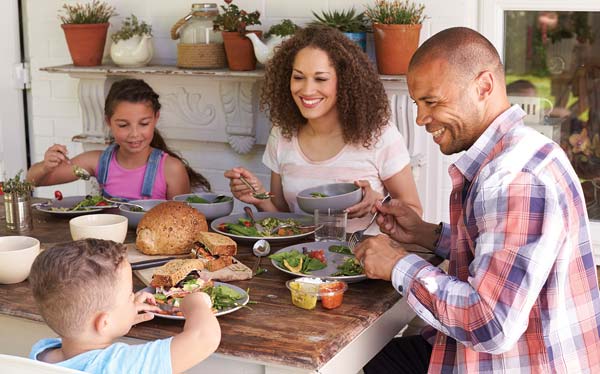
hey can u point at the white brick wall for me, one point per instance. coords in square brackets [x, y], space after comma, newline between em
[55, 111]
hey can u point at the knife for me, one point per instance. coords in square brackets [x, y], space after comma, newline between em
[140, 265]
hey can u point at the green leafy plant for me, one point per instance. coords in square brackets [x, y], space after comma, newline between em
[396, 12]
[17, 186]
[283, 28]
[130, 28]
[94, 12]
[345, 20]
[233, 19]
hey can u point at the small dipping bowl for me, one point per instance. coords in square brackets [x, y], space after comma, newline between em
[306, 291]
[99, 226]
[16, 257]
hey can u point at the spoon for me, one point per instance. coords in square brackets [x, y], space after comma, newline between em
[260, 249]
[256, 194]
[81, 173]
[250, 215]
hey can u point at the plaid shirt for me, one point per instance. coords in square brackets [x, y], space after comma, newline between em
[522, 293]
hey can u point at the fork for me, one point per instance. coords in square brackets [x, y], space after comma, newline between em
[357, 236]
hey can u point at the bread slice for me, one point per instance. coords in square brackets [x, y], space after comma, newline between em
[217, 244]
[217, 263]
[174, 271]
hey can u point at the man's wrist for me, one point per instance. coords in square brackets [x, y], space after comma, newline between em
[437, 232]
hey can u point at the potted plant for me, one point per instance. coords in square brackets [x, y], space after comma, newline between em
[232, 23]
[396, 27]
[85, 28]
[17, 203]
[275, 36]
[352, 24]
[132, 44]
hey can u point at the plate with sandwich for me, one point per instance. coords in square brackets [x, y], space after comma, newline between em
[177, 278]
[273, 226]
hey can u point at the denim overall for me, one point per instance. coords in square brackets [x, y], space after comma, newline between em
[149, 175]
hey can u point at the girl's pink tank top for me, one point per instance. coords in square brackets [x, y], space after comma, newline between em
[127, 183]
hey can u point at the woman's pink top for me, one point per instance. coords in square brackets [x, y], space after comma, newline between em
[127, 183]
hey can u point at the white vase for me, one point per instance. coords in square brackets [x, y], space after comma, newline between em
[134, 52]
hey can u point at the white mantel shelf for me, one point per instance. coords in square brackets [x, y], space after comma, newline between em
[197, 104]
[174, 70]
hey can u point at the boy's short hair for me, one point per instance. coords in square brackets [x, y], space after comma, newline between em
[73, 280]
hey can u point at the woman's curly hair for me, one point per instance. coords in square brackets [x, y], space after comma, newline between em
[361, 99]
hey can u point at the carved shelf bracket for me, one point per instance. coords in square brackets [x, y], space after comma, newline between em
[187, 108]
[238, 107]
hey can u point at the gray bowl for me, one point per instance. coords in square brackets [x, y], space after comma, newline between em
[210, 210]
[338, 196]
[135, 217]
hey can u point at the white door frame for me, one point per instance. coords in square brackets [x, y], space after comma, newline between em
[13, 154]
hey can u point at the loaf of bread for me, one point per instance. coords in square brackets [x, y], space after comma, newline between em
[169, 228]
[174, 271]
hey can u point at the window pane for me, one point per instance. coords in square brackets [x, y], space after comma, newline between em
[553, 71]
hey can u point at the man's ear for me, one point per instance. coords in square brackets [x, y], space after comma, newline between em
[101, 323]
[485, 84]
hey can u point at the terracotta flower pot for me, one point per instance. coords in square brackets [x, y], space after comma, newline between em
[86, 42]
[239, 50]
[395, 46]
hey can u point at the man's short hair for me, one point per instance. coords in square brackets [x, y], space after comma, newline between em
[467, 52]
[74, 280]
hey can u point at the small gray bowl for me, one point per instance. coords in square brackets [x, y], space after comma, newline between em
[338, 196]
[210, 210]
[135, 217]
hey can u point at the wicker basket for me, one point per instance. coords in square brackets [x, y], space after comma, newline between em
[201, 56]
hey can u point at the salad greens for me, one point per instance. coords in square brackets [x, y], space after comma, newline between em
[318, 194]
[200, 200]
[294, 259]
[345, 250]
[350, 266]
[244, 227]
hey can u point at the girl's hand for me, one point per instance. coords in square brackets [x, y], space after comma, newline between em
[54, 156]
[239, 190]
[144, 302]
[365, 206]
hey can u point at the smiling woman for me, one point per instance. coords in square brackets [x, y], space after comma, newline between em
[138, 164]
[326, 128]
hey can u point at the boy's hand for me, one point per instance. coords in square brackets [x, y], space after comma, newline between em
[194, 301]
[144, 303]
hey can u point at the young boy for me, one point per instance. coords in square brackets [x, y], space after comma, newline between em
[84, 292]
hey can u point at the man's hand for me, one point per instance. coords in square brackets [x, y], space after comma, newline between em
[379, 255]
[402, 223]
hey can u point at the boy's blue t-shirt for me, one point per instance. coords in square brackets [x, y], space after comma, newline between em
[152, 357]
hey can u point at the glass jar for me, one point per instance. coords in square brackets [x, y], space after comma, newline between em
[198, 28]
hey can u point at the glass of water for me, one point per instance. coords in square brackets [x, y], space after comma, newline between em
[330, 225]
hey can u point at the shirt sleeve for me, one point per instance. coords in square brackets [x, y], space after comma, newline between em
[521, 229]
[152, 358]
[391, 154]
[270, 157]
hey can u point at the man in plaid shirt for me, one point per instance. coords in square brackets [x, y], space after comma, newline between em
[521, 293]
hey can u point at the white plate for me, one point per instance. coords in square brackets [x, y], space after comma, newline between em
[302, 219]
[243, 301]
[333, 261]
[69, 202]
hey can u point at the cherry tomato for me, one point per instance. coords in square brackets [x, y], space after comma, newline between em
[102, 203]
[223, 227]
[247, 223]
[58, 195]
[318, 254]
[1, 188]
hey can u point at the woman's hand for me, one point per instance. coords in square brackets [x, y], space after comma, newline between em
[144, 302]
[54, 156]
[365, 206]
[239, 188]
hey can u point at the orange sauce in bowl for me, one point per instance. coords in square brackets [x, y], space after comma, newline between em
[332, 294]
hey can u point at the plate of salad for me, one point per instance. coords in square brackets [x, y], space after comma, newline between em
[274, 227]
[226, 298]
[327, 260]
[74, 205]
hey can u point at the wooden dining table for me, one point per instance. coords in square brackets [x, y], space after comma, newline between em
[270, 336]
